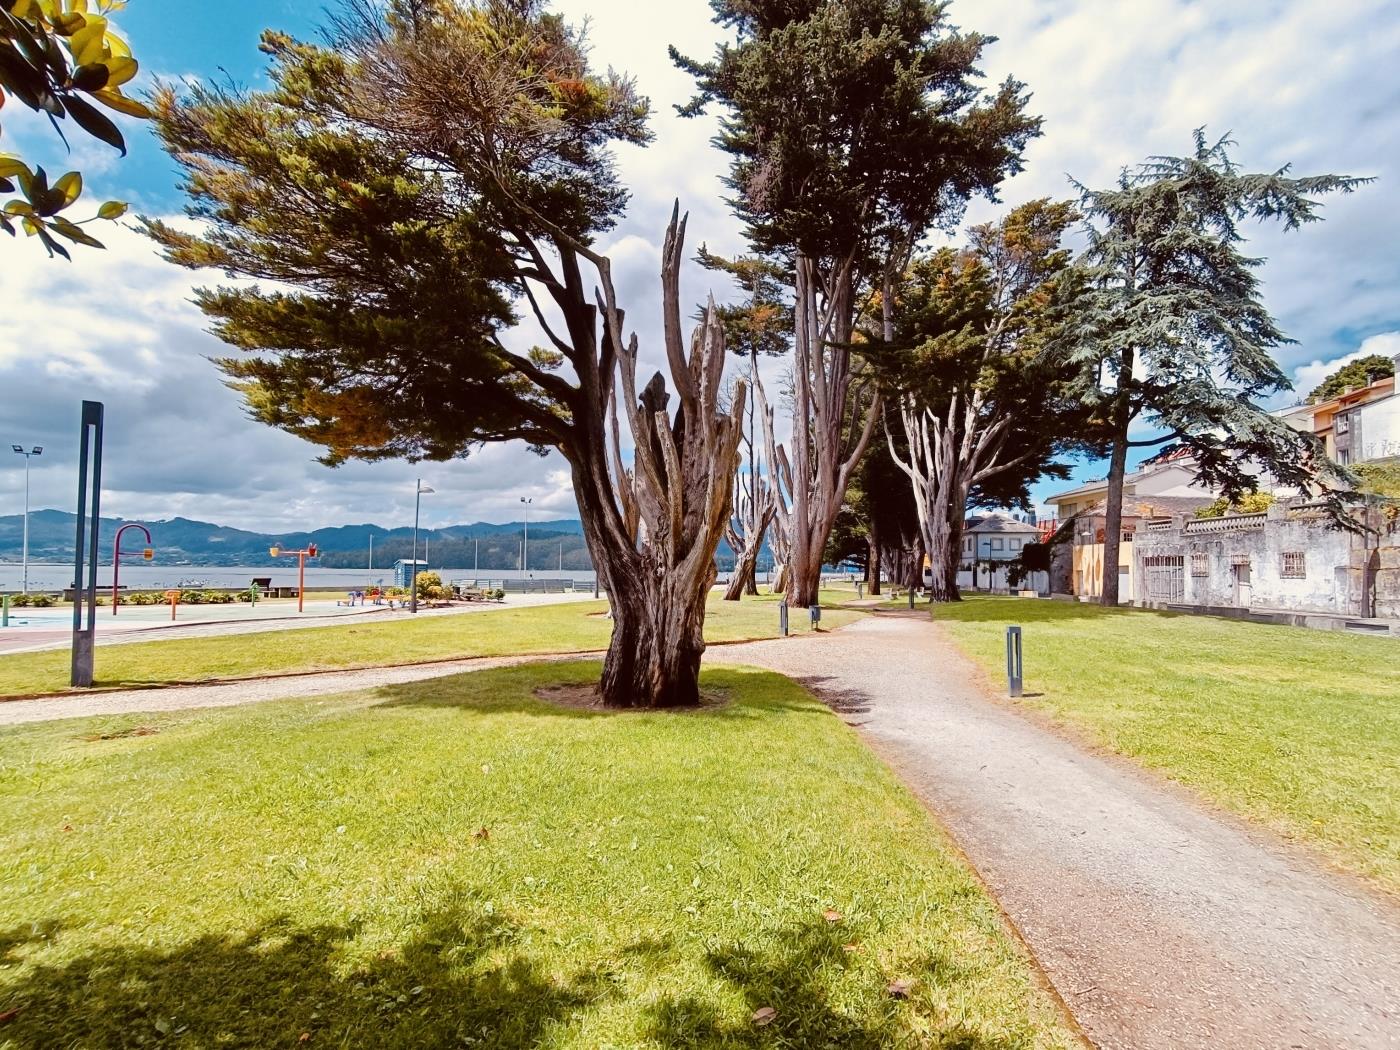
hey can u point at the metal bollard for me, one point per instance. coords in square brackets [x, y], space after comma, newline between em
[783, 618]
[860, 590]
[911, 597]
[5, 611]
[1013, 661]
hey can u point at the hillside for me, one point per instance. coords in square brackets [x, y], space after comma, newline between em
[183, 541]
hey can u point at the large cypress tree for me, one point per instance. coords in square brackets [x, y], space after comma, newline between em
[393, 202]
[1172, 328]
[854, 127]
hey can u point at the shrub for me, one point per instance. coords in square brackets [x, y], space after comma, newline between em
[498, 594]
[429, 582]
[41, 601]
[19, 601]
[1249, 503]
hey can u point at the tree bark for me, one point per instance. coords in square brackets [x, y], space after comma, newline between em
[872, 562]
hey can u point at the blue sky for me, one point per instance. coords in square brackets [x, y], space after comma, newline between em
[1313, 82]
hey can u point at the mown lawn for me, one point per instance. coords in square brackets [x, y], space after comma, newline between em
[574, 627]
[1296, 728]
[455, 863]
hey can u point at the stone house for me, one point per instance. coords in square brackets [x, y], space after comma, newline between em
[1290, 561]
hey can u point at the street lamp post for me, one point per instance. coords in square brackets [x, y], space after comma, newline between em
[146, 552]
[525, 550]
[28, 454]
[302, 555]
[420, 490]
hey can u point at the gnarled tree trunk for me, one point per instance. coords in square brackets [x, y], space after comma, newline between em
[653, 528]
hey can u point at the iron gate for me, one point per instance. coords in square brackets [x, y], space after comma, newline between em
[1166, 577]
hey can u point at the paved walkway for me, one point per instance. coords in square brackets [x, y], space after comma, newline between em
[1160, 925]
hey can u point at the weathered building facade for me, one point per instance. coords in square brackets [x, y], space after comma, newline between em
[1290, 559]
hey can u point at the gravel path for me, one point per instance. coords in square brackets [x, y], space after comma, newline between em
[1160, 925]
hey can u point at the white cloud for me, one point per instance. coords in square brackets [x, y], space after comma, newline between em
[1307, 377]
[1305, 81]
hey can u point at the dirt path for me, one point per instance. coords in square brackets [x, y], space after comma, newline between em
[1160, 925]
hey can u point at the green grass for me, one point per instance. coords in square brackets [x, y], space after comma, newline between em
[573, 627]
[1296, 728]
[454, 863]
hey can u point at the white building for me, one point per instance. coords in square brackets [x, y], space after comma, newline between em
[989, 540]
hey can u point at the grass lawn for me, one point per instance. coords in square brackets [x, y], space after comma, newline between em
[1296, 728]
[572, 627]
[455, 863]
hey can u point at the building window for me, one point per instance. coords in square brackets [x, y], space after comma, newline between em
[1343, 424]
[1295, 565]
[996, 545]
[1200, 564]
[1343, 456]
[1014, 545]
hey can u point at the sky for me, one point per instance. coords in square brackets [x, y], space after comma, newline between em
[1312, 83]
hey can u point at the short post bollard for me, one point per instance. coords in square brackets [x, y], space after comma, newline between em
[783, 618]
[174, 598]
[5, 611]
[253, 591]
[911, 597]
[1013, 661]
[860, 589]
[815, 612]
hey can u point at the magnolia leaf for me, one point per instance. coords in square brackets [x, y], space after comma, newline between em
[122, 104]
[12, 166]
[71, 186]
[75, 233]
[91, 77]
[91, 120]
[19, 208]
[120, 69]
[112, 210]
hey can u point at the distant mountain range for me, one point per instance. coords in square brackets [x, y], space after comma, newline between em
[182, 541]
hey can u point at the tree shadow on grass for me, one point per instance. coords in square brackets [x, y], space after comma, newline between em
[456, 981]
[791, 978]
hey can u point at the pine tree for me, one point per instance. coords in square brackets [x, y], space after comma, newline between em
[1172, 329]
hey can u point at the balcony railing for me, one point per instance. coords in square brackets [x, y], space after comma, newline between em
[1229, 523]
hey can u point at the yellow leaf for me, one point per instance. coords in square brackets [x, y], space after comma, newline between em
[88, 44]
[12, 166]
[71, 186]
[120, 70]
[19, 208]
[112, 210]
[123, 104]
[31, 226]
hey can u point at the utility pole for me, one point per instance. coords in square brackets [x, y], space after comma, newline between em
[476, 556]
[525, 547]
[371, 552]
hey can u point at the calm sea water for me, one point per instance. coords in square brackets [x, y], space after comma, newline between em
[49, 577]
